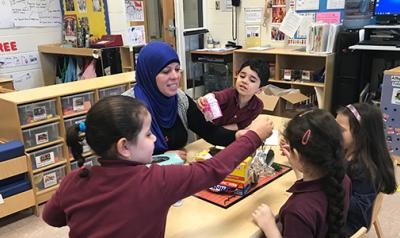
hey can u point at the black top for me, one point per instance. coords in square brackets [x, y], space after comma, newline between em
[176, 136]
[363, 195]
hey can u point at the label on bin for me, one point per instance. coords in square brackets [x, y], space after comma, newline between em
[39, 113]
[45, 159]
[42, 137]
[78, 104]
[50, 179]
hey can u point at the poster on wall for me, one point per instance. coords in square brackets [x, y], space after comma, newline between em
[253, 36]
[134, 10]
[136, 36]
[253, 15]
[70, 30]
[82, 6]
[16, 60]
[42, 13]
[6, 17]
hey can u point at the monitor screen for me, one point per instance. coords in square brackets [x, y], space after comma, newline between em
[387, 7]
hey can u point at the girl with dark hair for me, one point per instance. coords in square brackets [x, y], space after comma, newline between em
[124, 197]
[370, 167]
[158, 74]
[319, 202]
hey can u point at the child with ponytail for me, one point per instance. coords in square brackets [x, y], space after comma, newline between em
[124, 197]
[319, 202]
[370, 167]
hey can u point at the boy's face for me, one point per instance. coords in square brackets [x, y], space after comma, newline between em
[248, 82]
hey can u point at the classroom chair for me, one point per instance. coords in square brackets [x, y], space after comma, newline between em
[374, 218]
[360, 233]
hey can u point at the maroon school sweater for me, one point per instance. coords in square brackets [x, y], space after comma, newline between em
[121, 198]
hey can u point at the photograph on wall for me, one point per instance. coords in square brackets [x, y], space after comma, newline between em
[278, 13]
[84, 23]
[70, 30]
[278, 2]
[96, 5]
[134, 10]
[396, 96]
[82, 6]
[276, 34]
[136, 35]
[69, 5]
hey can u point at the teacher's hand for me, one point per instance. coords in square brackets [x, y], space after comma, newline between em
[263, 126]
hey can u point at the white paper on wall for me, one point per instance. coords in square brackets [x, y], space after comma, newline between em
[302, 5]
[6, 17]
[39, 13]
[21, 59]
[308, 19]
[290, 23]
[253, 15]
[134, 10]
[335, 4]
[136, 35]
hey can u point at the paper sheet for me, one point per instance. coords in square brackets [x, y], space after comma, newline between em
[290, 23]
[134, 10]
[16, 60]
[38, 13]
[253, 15]
[328, 17]
[6, 17]
[273, 139]
[302, 5]
[308, 19]
[136, 35]
[335, 4]
[253, 38]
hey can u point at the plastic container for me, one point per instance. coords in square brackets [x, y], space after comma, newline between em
[40, 134]
[111, 91]
[47, 156]
[49, 178]
[77, 103]
[89, 161]
[75, 120]
[38, 111]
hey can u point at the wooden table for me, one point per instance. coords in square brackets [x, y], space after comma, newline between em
[198, 218]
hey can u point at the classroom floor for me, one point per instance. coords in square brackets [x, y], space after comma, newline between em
[26, 225]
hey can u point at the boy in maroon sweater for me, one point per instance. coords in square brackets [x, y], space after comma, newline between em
[239, 105]
[123, 197]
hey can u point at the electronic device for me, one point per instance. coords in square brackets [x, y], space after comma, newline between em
[236, 3]
[387, 12]
[381, 35]
[108, 41]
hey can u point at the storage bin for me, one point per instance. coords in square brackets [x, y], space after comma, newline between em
[40, 134]
[49, 178]
[89, 161]
[111, 91]
[77, 103]
[75, 120]
[47, 156]
[38, 111]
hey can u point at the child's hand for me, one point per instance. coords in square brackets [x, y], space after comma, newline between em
[285, 148]
[265, 219]
[263, 126]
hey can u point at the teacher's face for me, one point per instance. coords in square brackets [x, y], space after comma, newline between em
[168, 79]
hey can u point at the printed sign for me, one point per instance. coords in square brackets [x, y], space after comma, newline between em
[50, 179]
[39, 113]
[42, 137]
[77, 104]
[45, 159]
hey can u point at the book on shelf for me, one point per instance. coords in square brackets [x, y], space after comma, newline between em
[321, 37]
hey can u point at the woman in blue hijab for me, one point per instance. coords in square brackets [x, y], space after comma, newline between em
[173, 112]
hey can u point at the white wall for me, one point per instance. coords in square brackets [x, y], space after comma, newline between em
[220, 23]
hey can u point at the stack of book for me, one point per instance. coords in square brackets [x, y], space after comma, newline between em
[321, 37]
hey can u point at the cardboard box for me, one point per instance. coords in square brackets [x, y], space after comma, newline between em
[241, 174]
[276, 105]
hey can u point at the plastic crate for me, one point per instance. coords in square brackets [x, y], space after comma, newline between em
[111, 91]
[75, 120]
[89, 161]
[49, 178]
[40, 134]
[77, 103]
[47, 156]
[38, 111]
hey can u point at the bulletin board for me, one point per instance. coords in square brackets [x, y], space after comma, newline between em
[95, 12]
[322, 12]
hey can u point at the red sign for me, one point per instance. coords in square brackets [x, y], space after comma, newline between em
[8, 46]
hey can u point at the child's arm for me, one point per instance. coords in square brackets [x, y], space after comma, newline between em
[265, 219]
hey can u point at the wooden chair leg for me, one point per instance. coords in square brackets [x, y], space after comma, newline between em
[378, 229]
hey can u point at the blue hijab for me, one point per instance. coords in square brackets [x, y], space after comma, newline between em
[152, 59]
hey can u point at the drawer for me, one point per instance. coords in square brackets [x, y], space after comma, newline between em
[40, 134]
[111, 91]
[89, 161]
[49, 178]
[47, 156]
[73, 121]
[77, 103]
[38, 111]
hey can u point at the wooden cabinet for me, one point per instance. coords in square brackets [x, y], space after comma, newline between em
[286, 58]
[48, 57]
[19, 201]
[38, 117]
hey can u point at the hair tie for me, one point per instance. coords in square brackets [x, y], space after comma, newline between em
[82, 126]
[306, 137]
[355, 112]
